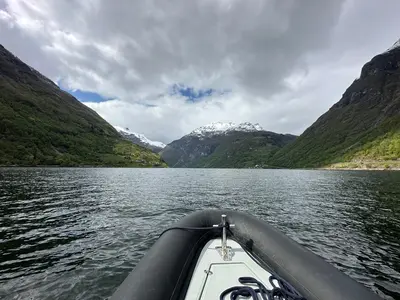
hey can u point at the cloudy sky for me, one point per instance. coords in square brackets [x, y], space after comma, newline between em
[163, 68]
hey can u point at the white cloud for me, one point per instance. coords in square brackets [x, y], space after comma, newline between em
[285, 61]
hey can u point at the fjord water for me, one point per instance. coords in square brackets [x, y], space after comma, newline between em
[77, 233]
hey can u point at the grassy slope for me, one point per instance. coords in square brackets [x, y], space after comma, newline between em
[382, 153]
[361, 130]
[42, 125]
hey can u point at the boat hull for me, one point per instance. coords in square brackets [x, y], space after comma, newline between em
[165, 272]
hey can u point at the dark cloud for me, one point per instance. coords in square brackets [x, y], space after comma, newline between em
[274, 56]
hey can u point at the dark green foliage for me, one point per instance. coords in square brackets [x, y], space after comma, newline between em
[43, 125]
[363, 125]
[232, 150]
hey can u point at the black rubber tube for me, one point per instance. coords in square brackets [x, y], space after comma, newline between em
[165, 271]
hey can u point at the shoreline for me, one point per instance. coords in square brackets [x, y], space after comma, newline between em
[368, 165]
[358, 169]
[84, 167]
[158, 167]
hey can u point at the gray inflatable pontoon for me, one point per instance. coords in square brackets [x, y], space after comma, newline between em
[216, 254]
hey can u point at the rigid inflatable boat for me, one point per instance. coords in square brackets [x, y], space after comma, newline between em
[217, 254]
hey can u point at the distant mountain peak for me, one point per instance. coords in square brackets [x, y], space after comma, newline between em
[225, 145]
[140, 139]
[395, 45]
[221, 128]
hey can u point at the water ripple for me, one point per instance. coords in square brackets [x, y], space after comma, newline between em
[77, 233]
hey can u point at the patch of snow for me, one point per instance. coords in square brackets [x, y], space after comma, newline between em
[221, 128]
[142, 137]
[395, 45]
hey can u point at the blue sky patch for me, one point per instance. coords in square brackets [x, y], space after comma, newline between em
[84, 96]
[192, 94]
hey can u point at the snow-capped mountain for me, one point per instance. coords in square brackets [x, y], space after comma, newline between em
[224, 145]
[222, 128]
[140, 139]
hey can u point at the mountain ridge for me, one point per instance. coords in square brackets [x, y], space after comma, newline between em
[42, 125]
[394, 46]
[222, 128]
[361, 130]
[225, 146]
[140, 139]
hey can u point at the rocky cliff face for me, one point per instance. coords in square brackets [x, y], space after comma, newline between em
[364, 126]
